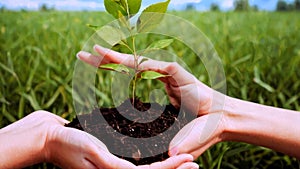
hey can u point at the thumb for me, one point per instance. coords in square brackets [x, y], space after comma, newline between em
[197, 136]
[97, 142]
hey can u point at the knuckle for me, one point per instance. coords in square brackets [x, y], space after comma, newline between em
[173, 65]
[172, 68]
[40, 114]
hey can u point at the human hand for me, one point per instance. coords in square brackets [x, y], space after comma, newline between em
[183, 89]
[71, 148]
[199, 135]
[221, 118]
[42, 137]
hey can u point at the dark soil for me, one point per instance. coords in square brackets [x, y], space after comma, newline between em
[140, 135]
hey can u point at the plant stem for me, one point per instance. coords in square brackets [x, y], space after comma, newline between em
[136, 57]
[136, 69]
[127, 9]
[134, 88]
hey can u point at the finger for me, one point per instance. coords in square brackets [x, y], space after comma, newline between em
[98, 154]
[185, 141]
[97, 142]
[77, 163]
[93, 60]
[105, 56]
[61, 120]
[197, 152]
[104, 159]
[42, 113]
[189, 165]
[170, 163]
[179, 76]
[115, 57]
[197, 136]
[128, 60]
[88, 164]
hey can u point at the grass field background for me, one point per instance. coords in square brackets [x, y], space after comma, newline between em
[260, 52]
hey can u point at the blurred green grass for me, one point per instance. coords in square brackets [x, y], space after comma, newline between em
[260, 53]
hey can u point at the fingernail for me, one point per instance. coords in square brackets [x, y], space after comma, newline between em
[195, 167]
[192, 158]
[82, 55]
[174, 151]
[77, 55]
[98, 47]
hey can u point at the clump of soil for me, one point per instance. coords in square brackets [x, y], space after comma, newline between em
[140, 135]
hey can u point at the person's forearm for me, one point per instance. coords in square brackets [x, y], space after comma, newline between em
[275, 128]
[20, 145]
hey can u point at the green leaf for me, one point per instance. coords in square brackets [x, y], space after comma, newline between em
[114, 7]
[111, 35]
[161, 44]
[152, 75]
[143, 60]
[258, 81]
[152, 16]
[133, 5]
[8, 115]
[264, 85]
[123, 21]
[115, 67]
[125, 7]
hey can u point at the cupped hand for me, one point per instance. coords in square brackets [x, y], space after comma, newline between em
[183, 89]
[72, 148]
[42, 137]
[198, 135]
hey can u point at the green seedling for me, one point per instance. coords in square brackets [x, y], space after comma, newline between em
[124, 10]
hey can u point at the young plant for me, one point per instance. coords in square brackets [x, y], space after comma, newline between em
[124, 10]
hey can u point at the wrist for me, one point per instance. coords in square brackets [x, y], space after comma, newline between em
[21, 143]
[233, 119]
[244, 120]
[262, 125]
[210, 100]
[222, 104]
[55, 132]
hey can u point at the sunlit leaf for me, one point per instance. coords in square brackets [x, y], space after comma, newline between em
[133, 5]
[115, 67]
[123, 20]
[111, 35]
[152, 75]
[152, 16]
[161, 44]
[114, 7]
[125, 7]
[264, 85]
